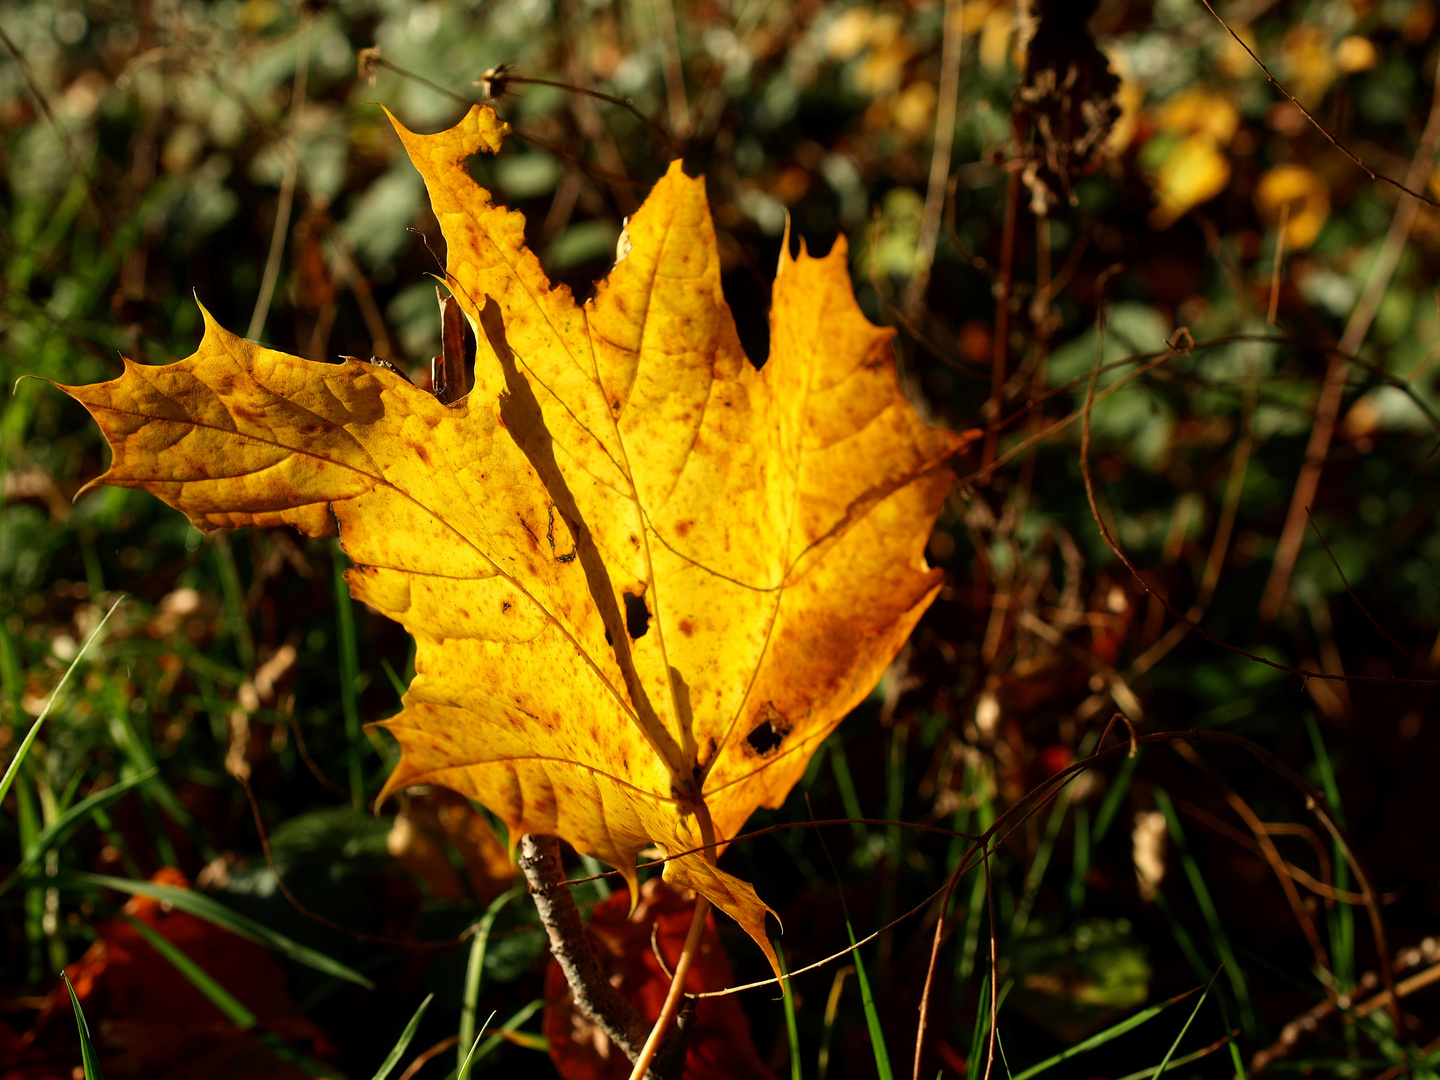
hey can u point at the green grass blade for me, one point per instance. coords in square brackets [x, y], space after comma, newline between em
[393, 676]
[1205, 1051]
[1004, 1061]
[14, 767]
[594, 868]
[349, 674]
[1235, 1058]
[489, 1046]
[1040, 863]
[60, 829]
[1165, 1061]
[827, 1030]
[474, 969]
[1110, 805]
[234, 594]
[89, 1059]
[849, 799]
[1112, 1032]
[464, 1065]
[792, 1032]
[1218, 938]
[201, 979]
[211, 910]
[872, 1017]
[393, 1058]
[1340, 917]
[1080, 865]
[977, 1033]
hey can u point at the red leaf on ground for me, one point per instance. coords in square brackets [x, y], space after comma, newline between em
[149, 1020]
[720, 1044]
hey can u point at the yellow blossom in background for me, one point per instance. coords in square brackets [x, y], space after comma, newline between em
[975, 14]
[849, 33]
[878, 36]
[1195, 171]
[1232, 60]
[1304, 192]
[884, 66]
[1202, 112]
[914, 111]
[1309, 64]
[995, 38]
[1356, 53]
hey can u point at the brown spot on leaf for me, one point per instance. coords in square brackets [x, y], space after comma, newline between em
[687, 628]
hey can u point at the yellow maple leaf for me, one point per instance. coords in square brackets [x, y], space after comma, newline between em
[645, 579]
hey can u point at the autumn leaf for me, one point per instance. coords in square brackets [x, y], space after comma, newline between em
[645, 579]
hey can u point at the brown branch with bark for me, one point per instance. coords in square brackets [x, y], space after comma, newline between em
[570, 944]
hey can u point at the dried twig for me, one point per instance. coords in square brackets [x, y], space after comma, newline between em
[616, 1016]
[1409, 187]
[1332, 392]
[287, 196]
[939, 163]
[102, 222]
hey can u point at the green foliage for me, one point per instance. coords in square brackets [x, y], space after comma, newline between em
[183, 129]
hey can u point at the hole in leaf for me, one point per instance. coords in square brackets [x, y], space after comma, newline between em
[637, 616]
[765, 738]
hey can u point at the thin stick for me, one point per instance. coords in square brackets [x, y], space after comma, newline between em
[939, 168]
[429, 1055]
[610, 99]
[1279, 261]
[677, 990]
[1410, 185]
[1040, 796]
[940, 924]
[1358, 603]
[674, 73]
[593, 994]
[1332, 393]
[1220, 545]
[287, 196]
[994, 971]
[1267, 849]
[101, 221]
[1001, 344]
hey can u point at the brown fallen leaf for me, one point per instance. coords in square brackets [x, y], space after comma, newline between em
[433, 817]
[148, 1019]
[720, 1047]
[645, 579]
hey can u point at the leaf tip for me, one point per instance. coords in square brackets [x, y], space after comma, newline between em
[479, 129]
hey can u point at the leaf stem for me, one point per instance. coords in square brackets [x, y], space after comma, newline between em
[677, 989]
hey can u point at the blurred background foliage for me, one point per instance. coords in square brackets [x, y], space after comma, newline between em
[161, 152]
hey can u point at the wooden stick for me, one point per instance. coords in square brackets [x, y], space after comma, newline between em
[620, 1020]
